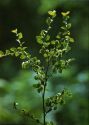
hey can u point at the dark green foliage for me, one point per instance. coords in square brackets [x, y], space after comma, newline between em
[53, 102]
[52, 52]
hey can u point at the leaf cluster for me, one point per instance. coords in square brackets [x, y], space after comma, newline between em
[58, 99]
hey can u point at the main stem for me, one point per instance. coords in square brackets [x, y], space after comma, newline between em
[45, 84]
[43, 95]
[43, 98]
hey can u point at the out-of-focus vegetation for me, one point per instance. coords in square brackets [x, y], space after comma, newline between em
[16, 85]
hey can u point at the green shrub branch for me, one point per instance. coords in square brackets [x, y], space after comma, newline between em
[52, 52]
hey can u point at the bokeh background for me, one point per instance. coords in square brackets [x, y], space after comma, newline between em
[16, 84]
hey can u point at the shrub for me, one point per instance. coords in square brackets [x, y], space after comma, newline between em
[52, 52]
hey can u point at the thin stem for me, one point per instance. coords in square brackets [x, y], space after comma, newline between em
[43, 98]
[45, 83]
[43, 95]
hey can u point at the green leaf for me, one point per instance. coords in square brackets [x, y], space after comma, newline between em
[52, 13]
[49, 21]
[65, 13]
[19, 48]
[68, 25]
[66, 33]
[49, 123]
[39, 39]
[62, 63]
[67, 38]
[40, 89]
[22, 56]
[46, 44]
[16, 54]
[25, 64]
[69, 61]
[53, 42]
[14, 31]
[62, 102]
[58, 35]
[47, 38]
[20, 35]
[1, 53]
[13, 49]
[7, 52]
[36, 85]
[24, 48]
[63, 27]
[45, 55]
[43, 32]
[71, 40]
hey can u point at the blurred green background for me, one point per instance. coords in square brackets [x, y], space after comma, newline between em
[16, 84]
